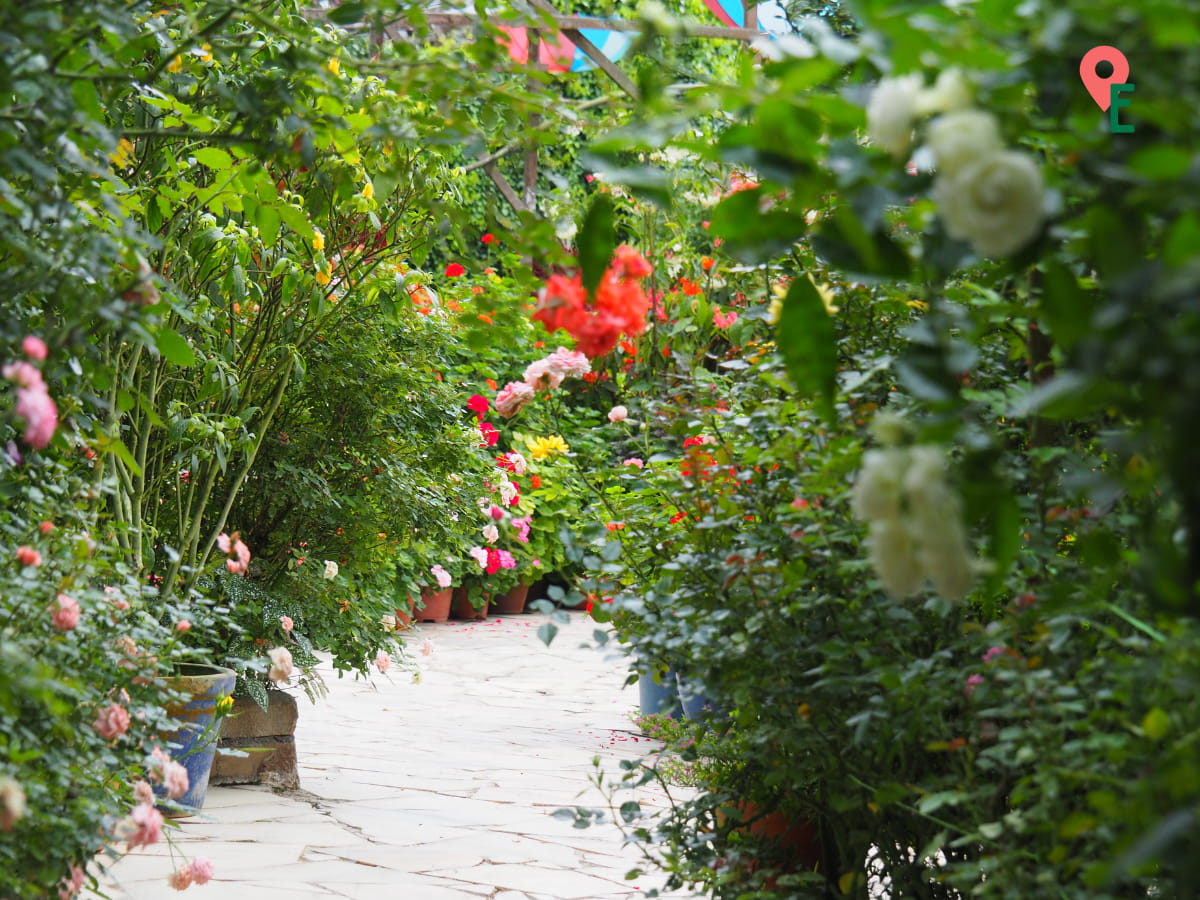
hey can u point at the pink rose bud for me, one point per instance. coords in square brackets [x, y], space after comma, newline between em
[34, 347]
[46, 527]
[27, 556]
[183, 626]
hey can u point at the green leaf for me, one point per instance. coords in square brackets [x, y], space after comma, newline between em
[213, 157]
[172, 345]
[752, 236]
[1156, 724]
[267, 219]
[296, 220]
[597, 241]
[547, 633]
[809, 345]
[1162, 162]
[347, 13]
[116, 446]
[1065, 306]
[1068, 395]
[1183, 239]
[1007, 527]
[846, 244]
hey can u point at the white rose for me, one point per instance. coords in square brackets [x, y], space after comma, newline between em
[877, 491]
[331, 570]
[892, 555]
[946, 558]
[960, 138]
[951, 91]
[997, 204]
[491, 533]
[892, 110]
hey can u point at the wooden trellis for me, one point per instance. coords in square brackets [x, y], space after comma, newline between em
[572, 26]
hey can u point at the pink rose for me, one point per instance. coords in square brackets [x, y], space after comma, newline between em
[183, 626]
[202, 869]
[281, 664]
[175, 779]
[34, 347]
[617, 414]
[443, 577]
[496, 512]
[287, 623]
[512, 398]
[633, 461]
[27, 556]
[479, 555]
[142, 792]
[112, 722]
[724, 320]
[46, 527]
[66, 615]
[180, 879]
[72, 884]
[382, 662]
[144, 826]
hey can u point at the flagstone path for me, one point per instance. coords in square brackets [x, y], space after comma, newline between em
[434, 785]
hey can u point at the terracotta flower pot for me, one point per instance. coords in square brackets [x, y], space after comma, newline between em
[513, 602]
[404, 614]
[463, 608]
[795, 841]
[437, 605]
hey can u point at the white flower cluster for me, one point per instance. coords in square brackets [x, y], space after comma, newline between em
[916, 521]
[989, 196]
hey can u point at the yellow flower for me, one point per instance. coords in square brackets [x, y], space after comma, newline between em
[324, 276]
[917, 304]
[206, 53]
[123, 154]
[544, 447]
[176, 64]
[368, 190]
[334, 65]
[225, 704]
[780, 290]
[318, 240]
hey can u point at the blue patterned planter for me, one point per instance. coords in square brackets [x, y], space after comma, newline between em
[659, 696]
[695, 704]
[194, 744]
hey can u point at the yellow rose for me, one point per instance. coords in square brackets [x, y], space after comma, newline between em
[318, 241]
[368, 190]
[545, 447]
[334, 65]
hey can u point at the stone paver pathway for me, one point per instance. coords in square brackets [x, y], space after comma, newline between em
[438, 789]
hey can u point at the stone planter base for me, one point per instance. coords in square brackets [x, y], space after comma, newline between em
[267, 739]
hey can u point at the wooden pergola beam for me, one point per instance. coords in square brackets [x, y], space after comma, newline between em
[594, 53]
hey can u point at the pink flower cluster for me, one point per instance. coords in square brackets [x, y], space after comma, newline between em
[724, 320]
[66, 613]
[173, 775]
[442, 576]
[143, 827]
[382, 661]
[499, 559]
[72, 884]
[544, 375]
[112, 721]
[199, 871]
[34, 403]
[237, 553]
[547, 374]
[480, 556]
[522, 527]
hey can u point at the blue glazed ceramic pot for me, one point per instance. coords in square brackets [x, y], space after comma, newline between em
[194, 743]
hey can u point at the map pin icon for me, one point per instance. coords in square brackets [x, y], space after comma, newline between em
[1099, 87]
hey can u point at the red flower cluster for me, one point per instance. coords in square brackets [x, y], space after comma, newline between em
[479, 405]
[490, 435]
[454, 270]
[618, 307]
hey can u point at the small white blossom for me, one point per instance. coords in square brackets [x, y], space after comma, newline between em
[891, 112]
[331, 570]
[961, 138]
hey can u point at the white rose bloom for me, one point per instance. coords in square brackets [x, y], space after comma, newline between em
[946, 558]
[877, 492]
[996, 204]
[508, 491]
[950, 92]
[892, 110]
[960, 138]
[331, 570]
[491, 533]
[893, 556]
[929, 497]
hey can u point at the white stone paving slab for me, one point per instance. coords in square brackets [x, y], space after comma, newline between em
[438, 785]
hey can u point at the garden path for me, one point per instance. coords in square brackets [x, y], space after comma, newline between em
[440, 788]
